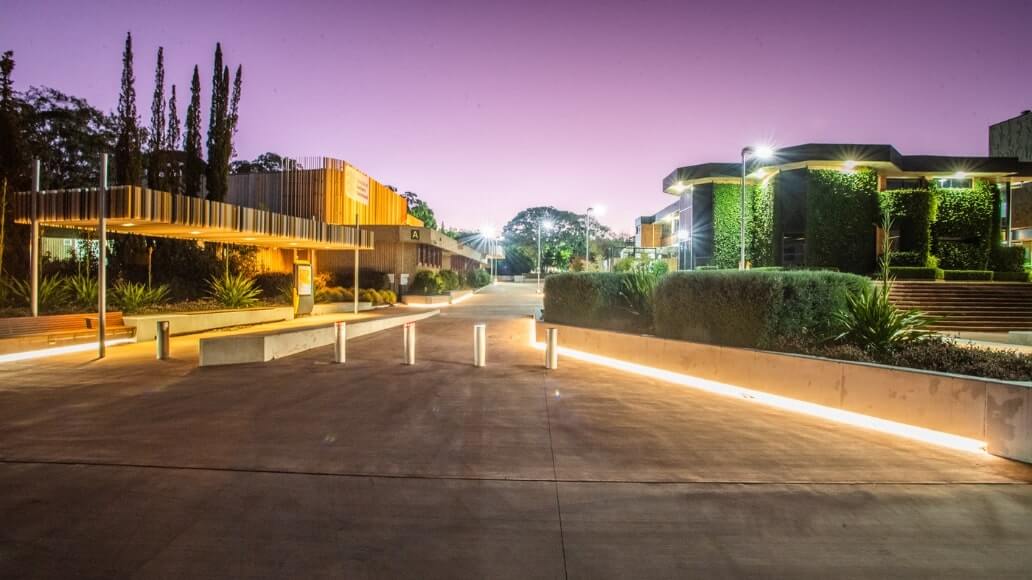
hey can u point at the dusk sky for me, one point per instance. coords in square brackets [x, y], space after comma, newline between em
[487, 108]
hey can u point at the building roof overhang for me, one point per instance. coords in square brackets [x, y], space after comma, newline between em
[148, 212]
[885, 158]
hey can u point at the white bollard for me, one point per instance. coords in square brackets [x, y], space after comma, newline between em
[161, 341]
[340, 345]
[410, 343]
[480, 345]
[552, 349]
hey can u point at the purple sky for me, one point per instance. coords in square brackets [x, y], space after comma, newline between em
[486, 108]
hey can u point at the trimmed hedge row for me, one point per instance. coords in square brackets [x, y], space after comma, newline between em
[592, 299]
[914, 272]
[750, 309]
[1011, 276]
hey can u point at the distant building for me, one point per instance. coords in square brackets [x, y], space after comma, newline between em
[1013, 138]
[702, 226]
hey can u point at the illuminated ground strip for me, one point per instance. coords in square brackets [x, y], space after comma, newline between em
[86, 347]
[794, 405]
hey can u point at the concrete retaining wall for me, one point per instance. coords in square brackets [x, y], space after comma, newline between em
[187, 323]
[263, 346]
[997, 412]
[339, 307]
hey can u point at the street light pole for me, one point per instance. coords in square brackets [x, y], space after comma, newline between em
[539, 259]
[741, 210]
[587, 237]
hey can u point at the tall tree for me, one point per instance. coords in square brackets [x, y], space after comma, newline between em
[156, 142]
[419, 209]
[128, 161]
[10, 153]
[234, 112]
[193, 165]
[217, 124]
[174, 167]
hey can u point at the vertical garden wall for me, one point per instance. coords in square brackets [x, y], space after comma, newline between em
[841, 212]
[759, 224]
[963, 233]
[913, 212]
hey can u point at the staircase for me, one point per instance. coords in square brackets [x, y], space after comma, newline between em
[968, 306]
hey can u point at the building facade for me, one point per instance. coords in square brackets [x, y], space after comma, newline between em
[818, 205]
[1013, 138]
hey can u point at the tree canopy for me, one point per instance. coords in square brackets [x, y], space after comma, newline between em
[419, 209]
[559, 244]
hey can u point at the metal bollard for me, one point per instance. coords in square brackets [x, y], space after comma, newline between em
[480, 345]
[410, 343]
[161, 339]
[552, 348]
[340, 346]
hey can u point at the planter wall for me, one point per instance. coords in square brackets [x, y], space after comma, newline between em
[997, 412]
[191, 322]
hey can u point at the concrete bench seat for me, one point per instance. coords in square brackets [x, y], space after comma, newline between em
[266, 345]
[25, 333]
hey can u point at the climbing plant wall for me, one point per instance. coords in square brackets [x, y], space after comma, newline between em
[841, 212]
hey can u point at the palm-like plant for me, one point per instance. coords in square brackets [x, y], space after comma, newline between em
[638, 287]
[133, 297]
[872, 322]
[83, 290]
[53, 293]
[234, 291]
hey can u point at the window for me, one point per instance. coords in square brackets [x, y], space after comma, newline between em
[954, 182]
[903, 183]
[793, 250]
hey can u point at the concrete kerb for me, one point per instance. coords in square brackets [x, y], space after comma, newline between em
[996, 412]
[263, 346]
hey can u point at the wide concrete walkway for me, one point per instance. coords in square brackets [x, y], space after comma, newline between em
[299, 468]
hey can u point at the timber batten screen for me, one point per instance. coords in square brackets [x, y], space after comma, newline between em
[149, 212]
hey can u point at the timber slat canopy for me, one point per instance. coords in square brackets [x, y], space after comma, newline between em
[150, 212]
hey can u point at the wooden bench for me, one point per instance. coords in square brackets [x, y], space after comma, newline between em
[29, 333]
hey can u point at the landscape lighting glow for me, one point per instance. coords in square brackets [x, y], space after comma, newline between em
[763, 152]
[33, 354]
[794, 405]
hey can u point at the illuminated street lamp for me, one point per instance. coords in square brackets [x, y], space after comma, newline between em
[546, 224]
[599, 210]
[759, 152]
[489, 233]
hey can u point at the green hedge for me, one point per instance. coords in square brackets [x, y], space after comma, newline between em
[727, 226]
[841, 210]
[1011, 276]
[426, 283]
[593, 299]
[963, 233]
[915, 273]
[914, 211]
[1009, 259]
[477, 278]
[967, 275]
[750, 309]
[450, 280]
[909, 258]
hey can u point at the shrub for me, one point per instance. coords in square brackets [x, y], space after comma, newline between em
[870, 321]
[425, 282]
[759, 224]
[594, 299]
[82, 290]
[334, 294]
[956, 255]
[233, 290]
[449, 280]
[751, 309]
[967, 275]
[1008, 259]
[278, 286]
[1011, 276]
[388, 296]
[370, 295]
[133, 296]
[915, 211]
[52, 295]
[477, 278]
[639, 286]
[915, 273]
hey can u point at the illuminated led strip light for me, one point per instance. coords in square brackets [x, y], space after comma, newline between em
[838, 415]
[85, 347]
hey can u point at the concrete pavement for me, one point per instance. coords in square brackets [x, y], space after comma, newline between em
[130, 467]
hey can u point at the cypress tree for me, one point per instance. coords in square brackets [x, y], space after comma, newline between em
[172, 143]
[156, 142]
[193, 164]
[234, 112]
[128, 162]
[218, 175]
